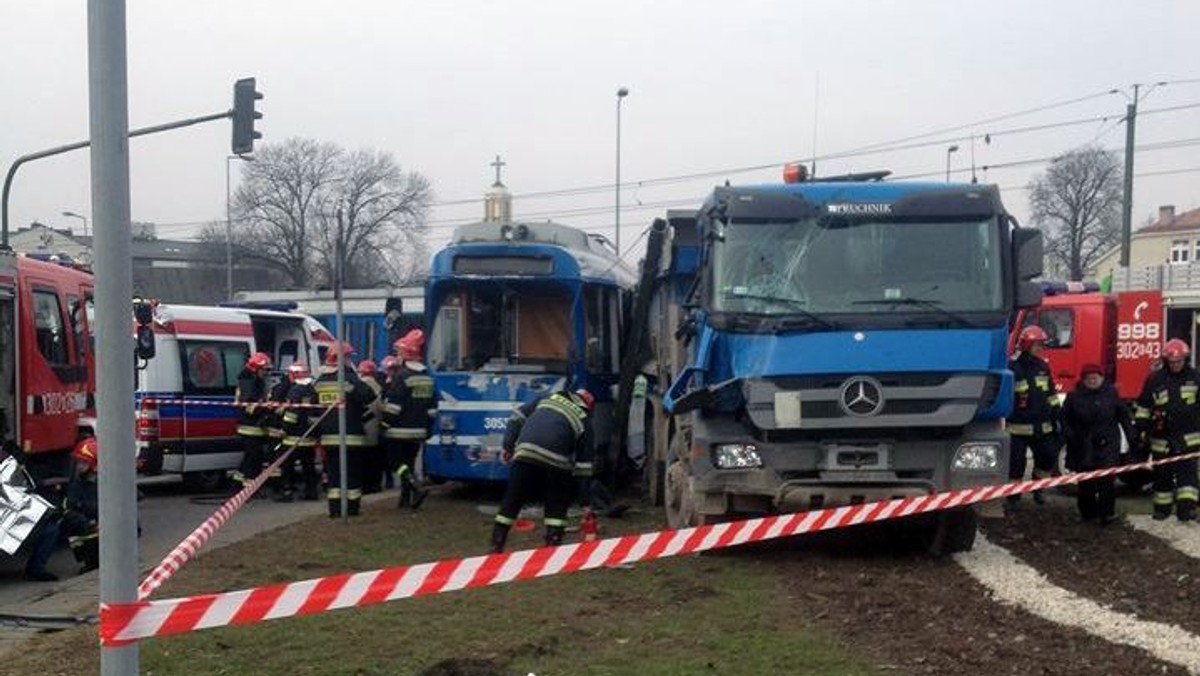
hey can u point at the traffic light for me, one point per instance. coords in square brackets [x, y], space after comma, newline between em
[244, 115]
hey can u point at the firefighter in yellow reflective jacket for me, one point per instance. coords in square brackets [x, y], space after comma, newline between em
[550, 444]
[1034, 423]
[251, 395]
[299, 415]
[1168, 415]
[357, 396]
[408, 408]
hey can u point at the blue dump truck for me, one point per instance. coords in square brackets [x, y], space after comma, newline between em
[823, 343]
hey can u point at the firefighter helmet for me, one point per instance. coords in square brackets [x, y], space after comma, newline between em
[258, 362]
[589, 401]
[1030, 336]
[298, 372]
[366, 367]
[1175, 350]
[85, 452]
[331, 357]
[410, 346]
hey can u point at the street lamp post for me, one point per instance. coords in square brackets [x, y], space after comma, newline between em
[621, 94]
[229, 227]
[72, 214]
[949, 151]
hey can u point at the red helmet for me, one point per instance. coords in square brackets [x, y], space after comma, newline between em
[258, 362]
[1030, 336]
[366, 367]
[298, 371]
[331, 357]
[389, 362]
[411, 345]
[586, 397]
[85, 452]
[1175, 350]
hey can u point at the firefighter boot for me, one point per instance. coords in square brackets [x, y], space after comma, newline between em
[499, 537]
[405, 495]
[414, 492]
[1185, 510]
[335, 507]
[1161, 512]
[554, 535]
[310, 489]
[354, 506]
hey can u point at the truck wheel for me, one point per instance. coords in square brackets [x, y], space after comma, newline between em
[953, 531]
[677, 496]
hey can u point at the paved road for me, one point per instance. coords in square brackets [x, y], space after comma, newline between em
[167, 516]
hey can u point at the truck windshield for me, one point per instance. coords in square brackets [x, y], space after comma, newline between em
[502, 328]
[835, 265]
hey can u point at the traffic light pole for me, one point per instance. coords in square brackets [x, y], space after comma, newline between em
[108, 96]
[51, 152]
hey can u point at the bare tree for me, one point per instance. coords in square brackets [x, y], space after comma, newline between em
[1077, 204]
[286, 209]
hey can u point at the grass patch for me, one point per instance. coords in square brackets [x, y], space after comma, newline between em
[701, 614]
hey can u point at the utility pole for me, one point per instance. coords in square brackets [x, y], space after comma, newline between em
[1127, 200]
[108, 113]
[338, 254]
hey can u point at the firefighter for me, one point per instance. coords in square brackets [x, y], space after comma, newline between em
[408, 411]
[1168, 416]
[356, 398]
[548, 442]
[81, 508]
[250, 396]
[1094, 418]
[372, 455]
[280, 482]
[299, 415]
[1034, 423]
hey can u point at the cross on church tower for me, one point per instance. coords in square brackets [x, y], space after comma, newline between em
[498, 164]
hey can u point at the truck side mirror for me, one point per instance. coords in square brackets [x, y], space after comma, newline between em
[145, 342]
[1027, 253]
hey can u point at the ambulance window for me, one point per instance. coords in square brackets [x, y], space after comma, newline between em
[48, 327]
[289, 353]
[1059, 325]
[212, 367]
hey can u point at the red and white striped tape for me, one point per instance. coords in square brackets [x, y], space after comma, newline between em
[228, 403]
[187, 548]
[121, 624]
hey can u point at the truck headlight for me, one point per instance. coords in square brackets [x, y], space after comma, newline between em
[446, 422]
[736, 456]
[978, 456]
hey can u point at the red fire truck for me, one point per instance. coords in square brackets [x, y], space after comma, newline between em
[1122, 332]
[46, 359]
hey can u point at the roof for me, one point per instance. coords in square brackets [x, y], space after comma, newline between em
[1184, 222]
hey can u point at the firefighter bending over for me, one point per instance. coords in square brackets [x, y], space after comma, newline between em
[1168, 416]
[549, 442]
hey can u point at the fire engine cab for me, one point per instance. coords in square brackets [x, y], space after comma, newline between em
[46, 362]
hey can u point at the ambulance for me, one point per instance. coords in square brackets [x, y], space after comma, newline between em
[189, 360]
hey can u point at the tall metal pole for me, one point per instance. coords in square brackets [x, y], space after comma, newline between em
[109, 126]
[1127, 199]
[228, 235]
[949, 151]
[621, 94]
[338, 249]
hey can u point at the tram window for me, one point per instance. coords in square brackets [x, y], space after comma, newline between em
[445, 349]
[543, 331]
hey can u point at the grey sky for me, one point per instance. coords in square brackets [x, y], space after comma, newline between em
[714, 86]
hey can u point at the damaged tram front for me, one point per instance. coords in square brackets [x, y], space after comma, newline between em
[518, 311]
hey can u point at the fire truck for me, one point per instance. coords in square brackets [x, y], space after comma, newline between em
[46, 360]
[1122, 332]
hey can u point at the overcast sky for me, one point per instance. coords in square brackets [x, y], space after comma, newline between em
[715, 87]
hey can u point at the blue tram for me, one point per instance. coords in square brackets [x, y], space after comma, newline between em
[516, 311]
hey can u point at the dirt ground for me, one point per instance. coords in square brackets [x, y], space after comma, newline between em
[865, 600]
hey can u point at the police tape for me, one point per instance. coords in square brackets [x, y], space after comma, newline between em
[157, 401]
[187, 548]
[121, 624]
